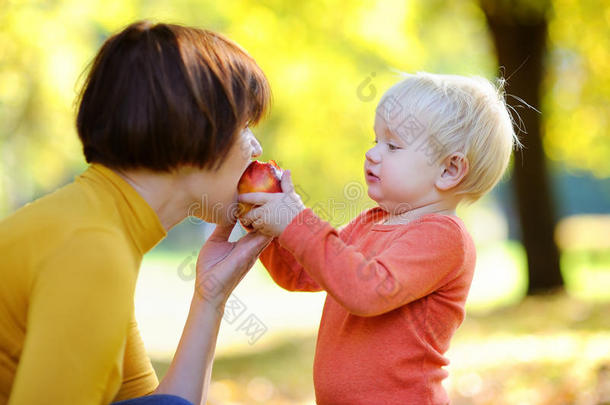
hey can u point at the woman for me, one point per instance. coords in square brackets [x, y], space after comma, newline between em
[164, 121]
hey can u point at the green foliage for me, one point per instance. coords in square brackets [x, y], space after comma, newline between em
[578, 86]
[316, 55]
[324, 58]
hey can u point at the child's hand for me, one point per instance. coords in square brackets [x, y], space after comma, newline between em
[274, 211]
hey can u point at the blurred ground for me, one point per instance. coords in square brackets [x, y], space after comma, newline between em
[541, 350]
[505, 357]
[509, 356]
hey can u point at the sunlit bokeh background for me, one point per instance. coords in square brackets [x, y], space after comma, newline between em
[328, 63]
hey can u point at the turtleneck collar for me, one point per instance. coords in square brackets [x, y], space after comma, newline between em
[140, 219]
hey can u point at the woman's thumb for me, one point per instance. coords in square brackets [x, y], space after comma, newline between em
[249, 247]
[255, 241]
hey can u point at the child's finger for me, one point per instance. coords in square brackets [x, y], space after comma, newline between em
[252, 215]
[255, 198]
[286, 182]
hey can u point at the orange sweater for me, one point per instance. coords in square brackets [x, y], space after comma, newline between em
[396, 295]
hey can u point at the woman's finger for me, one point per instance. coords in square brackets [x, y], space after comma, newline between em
[228, 273]
[250, 246]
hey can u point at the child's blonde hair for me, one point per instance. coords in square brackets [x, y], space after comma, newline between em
[455, 114]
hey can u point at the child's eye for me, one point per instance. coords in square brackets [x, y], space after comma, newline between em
[392, 147]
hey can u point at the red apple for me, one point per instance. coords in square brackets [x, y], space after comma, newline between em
[259, 177]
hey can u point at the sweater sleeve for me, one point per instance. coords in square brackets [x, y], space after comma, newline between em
[419, 261]
[139, 377]
[286, 271]
[77, 321]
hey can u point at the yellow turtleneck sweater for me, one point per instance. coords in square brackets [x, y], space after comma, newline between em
[68, 269]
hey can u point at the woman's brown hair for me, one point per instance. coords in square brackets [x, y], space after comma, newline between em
[160, 96]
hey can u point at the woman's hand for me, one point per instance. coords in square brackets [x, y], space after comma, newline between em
[222, 264]
[220, 267]
[274, 211]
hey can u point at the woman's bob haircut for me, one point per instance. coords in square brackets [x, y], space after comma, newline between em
[162, 96]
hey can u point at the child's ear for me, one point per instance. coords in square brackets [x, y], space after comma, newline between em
[453, 169]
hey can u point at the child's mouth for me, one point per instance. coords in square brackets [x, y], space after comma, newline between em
[371, 177]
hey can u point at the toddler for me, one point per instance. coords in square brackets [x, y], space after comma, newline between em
[397, 276]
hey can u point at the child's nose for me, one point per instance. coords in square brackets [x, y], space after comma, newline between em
[372, 155]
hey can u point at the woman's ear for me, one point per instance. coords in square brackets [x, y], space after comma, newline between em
[452, 170]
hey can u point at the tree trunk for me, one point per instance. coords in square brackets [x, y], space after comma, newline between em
[520, 40]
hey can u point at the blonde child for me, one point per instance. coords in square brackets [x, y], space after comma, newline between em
[397, 276]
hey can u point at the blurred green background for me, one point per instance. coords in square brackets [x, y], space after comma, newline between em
[328, 63]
